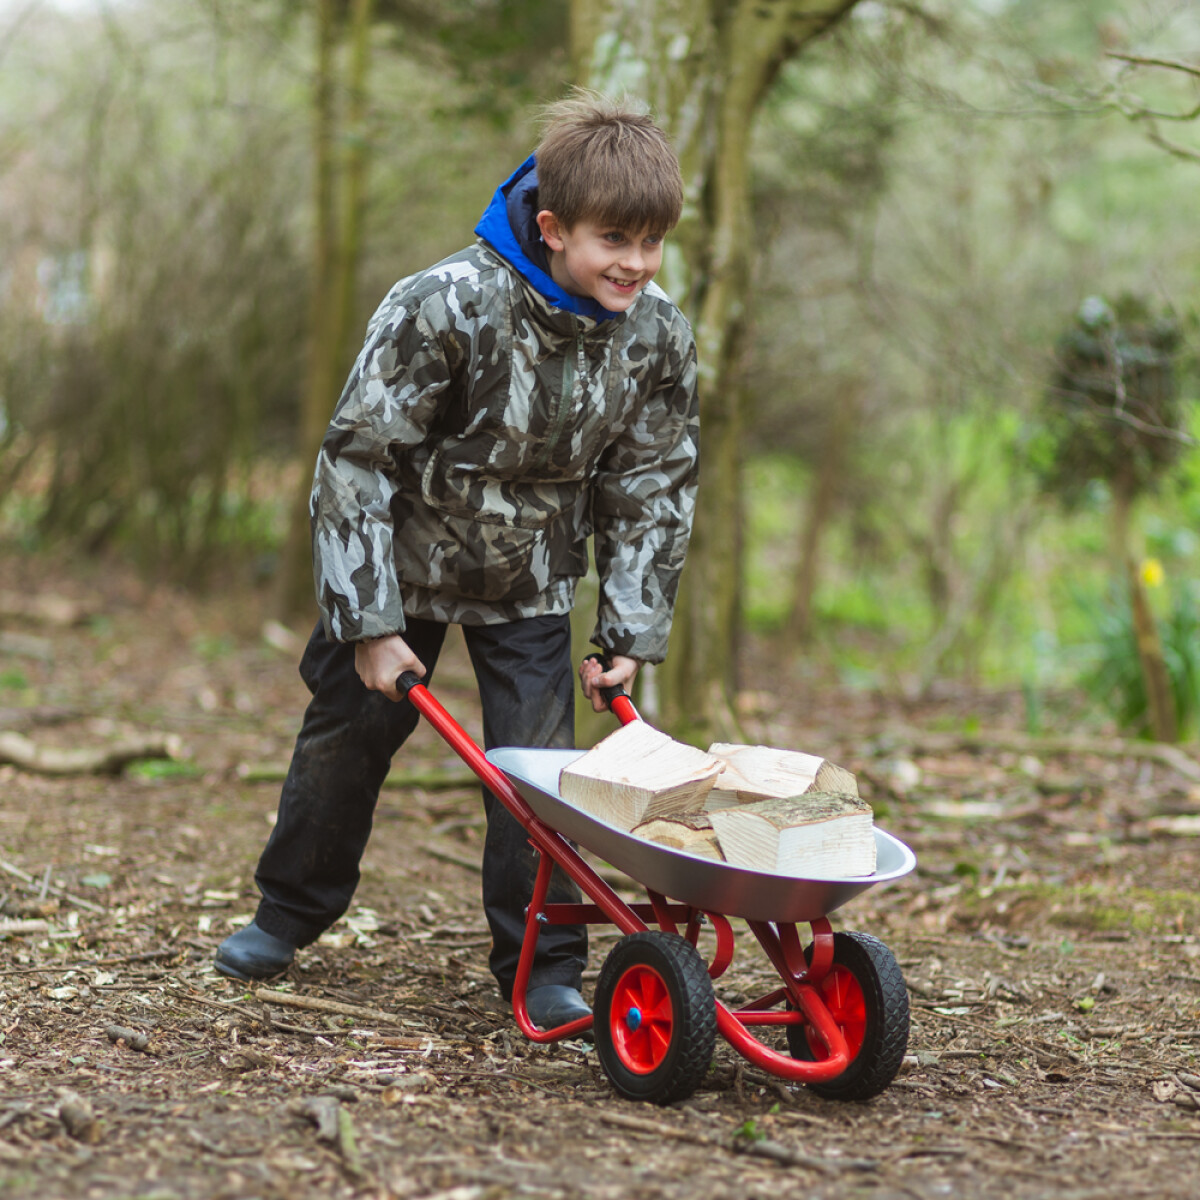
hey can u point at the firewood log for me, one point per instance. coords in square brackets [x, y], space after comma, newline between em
[636, 773]
[761, 773]
[691, 832]
[818, 835]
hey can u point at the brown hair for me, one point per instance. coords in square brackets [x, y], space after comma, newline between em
[604, 160]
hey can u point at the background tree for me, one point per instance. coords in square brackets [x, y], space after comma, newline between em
[1113, 415]
[704, 69]
[341, 148]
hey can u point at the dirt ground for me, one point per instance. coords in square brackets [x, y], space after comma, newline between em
[1048, 938]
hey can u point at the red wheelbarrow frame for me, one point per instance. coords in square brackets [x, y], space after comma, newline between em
[801, 976]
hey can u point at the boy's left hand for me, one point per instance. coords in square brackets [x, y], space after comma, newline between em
[593, 677]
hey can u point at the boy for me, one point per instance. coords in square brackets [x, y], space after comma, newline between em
[512, 400]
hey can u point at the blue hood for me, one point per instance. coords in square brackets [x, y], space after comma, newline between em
[509, 226]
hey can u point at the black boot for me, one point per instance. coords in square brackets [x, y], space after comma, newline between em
[251, 953]
[555, 1004]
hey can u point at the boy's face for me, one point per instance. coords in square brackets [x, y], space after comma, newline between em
[611, 266]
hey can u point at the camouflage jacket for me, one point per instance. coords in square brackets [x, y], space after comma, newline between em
[491, 424]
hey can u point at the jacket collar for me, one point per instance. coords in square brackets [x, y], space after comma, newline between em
[509, 227]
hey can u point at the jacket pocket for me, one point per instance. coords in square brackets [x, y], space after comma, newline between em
[490, 539]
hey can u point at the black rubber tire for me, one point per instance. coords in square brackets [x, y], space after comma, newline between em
[691, 1030]
[885, 1009]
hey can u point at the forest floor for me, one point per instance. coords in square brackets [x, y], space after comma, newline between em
[1049, 939]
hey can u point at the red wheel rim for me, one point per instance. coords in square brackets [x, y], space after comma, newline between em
[843, 996]
[641, 1020]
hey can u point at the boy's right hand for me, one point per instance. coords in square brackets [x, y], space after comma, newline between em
[381, 662]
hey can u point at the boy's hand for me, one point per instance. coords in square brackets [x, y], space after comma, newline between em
[593, 677]
[381, 662]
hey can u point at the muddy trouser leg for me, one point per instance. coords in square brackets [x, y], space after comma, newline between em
[526, 685]
[310, 868]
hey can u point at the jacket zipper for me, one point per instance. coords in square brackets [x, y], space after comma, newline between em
[573, 369]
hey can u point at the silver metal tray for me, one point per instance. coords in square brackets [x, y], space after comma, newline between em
[700, 882]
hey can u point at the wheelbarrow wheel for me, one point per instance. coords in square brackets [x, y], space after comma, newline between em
[865, 993]
[656, 1018]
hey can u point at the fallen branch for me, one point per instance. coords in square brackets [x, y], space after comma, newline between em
[938, 743]
[318, 1004]
[19, 750]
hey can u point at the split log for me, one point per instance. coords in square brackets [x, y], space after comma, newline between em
[19, 750]
[822, 835]
[637, 773]
[692, 833]
[752, 773]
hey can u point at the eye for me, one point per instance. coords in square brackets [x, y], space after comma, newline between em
[655, 239]
[614, 238]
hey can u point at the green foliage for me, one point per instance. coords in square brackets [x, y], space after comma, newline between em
[1113, 412]
[13, 679]
[1113, 677]
[155, 769]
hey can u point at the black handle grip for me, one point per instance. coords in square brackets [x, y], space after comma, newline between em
[407, 681]
[612, 691]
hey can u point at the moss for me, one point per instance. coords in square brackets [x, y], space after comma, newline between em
[1090, 908]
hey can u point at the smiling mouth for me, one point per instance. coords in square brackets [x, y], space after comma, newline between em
[623, 284]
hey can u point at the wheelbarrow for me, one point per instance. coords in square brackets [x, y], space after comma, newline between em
[842, 1002]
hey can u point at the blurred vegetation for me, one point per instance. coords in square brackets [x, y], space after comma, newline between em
[936, 189]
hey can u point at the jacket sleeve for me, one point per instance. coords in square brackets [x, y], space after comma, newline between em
[644, 498]
[387, 407]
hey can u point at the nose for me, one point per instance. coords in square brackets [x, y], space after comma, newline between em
[633, 259]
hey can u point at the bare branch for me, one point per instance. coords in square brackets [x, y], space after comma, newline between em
[1174, 148]
[1144, 61]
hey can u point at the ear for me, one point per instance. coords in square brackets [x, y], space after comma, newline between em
[548, 223]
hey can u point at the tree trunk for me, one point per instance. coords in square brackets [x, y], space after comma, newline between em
[338, 187]
[822, 504]
[703, 66]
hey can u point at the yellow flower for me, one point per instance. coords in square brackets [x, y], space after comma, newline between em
[1152, 572]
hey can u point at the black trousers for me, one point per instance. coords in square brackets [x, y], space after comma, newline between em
[310, 867]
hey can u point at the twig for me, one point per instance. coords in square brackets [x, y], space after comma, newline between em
[78, 901]
[1146, 61]
[318, 1004]
[457, 860]
[759, 1149]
